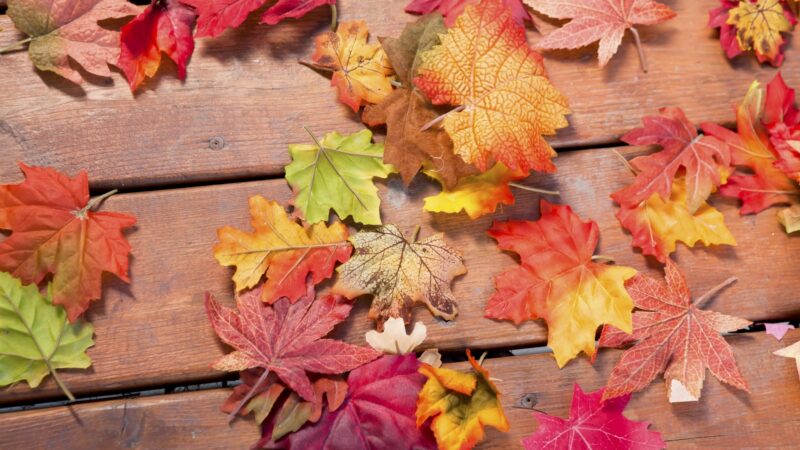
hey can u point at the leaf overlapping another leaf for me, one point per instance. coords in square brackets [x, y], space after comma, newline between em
[215, 16]
[451, 9]
[759, 25]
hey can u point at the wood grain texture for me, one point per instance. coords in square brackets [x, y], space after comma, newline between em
[723, 418]
[245, 89]
[154, 331]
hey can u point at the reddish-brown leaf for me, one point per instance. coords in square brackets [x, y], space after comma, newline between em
[451, 9]
[215, 16]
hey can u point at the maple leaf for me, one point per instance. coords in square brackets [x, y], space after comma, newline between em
[284, 250]
[671, 334]
[378, 412]
[559, 281]
[35, 337]
[361, 72]
[285, 338]
[505, 102]
[451, 9]
[164, 26]
[398, 272]
[54, 231]
[593, 424]
[215, 16]
[393, 340]
[477, 195]
[718, 18]
[603, 20]
[336, 173]
[757, 25]
[460, 405]
[792, 351]
[701, 156]
[61, 31]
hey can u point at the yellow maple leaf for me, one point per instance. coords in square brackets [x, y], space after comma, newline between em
[461, 404]
[759, 26]
[477, 195]
[505, 102]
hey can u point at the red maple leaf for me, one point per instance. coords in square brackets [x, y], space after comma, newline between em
[593, 424]
[164, 26]
[718, 18]
[215, 16]
[451, 9]
[54, 231]
[672, 335]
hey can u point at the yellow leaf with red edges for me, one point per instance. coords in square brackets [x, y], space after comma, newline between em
[485, 67]
[477, 195]
[460, 405]
[759, 26]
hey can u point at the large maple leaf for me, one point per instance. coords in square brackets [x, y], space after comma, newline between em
[559, 281]
[55, 231]
[65, 31]
[286, 339]
[505, 103]
[593, 424]
[459, 405]
[164, 26]
[702, 157]
[284, 250]
[671, 334]
[451, 9]
[399, 272]
[336, 173]
[477, 195]
[215, 16]
[378, 413]
[753, 25]
[599, 20]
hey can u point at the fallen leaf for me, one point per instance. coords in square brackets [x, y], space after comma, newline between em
[67, 31]
[671, 334]
[361, 71]
[782, 119]
[164, 26]
[599, 20]
[287, 252]
[778, 330]
[758, 26]
[451, 9]
[718, 18]
[593, 424]
[477, 195]
[790, 218]
[35, 337]
[792, 351]
[336, 173]
[505, 102]
[459, 405]
[215, 16]
[398, 273]
[431, 357]
[393, 340]
[54, 230]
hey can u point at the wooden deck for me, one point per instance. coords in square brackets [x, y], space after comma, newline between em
[246, 90]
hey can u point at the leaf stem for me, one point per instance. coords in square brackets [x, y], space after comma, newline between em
[604, 258]
[96, 201]
[315, 66]
[705, 297]
[441, 118]
[249, 395]
[415, 234]
[642, 59]
[334, 18]
[15, 45]
[483, 356]
[625, 161]
[768, 191]
[533, 189]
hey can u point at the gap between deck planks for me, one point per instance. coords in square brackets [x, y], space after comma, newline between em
[155, 332]
[723, 418]
[247, 88]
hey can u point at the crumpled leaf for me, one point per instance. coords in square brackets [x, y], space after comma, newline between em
[336, 173]
[287, 252]
[164, 26]
[597, 20]
[477, 195]
[378, 413]
[451, 9]
[54, 230]
[593, 424]
[285, 338]
[792, 351]
[35, 337]
[484, 65]
[757, 25]
[702, 157]
[459, 405]
[393, 340]
[67, 30]
[361, 72]
[671, 334]
[215, 16]
[790, 218]
[559, 281]
[398, 272]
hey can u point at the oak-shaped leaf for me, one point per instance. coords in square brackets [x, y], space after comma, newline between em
[477, 195]
[753, 25]
[286, 339]
[558, 280]
[671, 334]
[286, 251]
[451, 9]
[398, 272]
[595, 424]
[215, 16]
[394, 340]
[459, 405]
[54, 230]
[505, 103]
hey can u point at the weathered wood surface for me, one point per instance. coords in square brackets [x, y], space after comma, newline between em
[246, 88]
[155, 332]
[768, 417]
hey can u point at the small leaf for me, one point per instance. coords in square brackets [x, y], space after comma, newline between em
[393, 340]
[759, 26]
[792, 351]
[790, 219]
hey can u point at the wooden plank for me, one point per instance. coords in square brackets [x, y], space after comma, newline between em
[723, 418]
[155, 331]
[245, 89]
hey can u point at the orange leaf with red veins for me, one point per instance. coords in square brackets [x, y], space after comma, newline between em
[215, 16]
[54, 230]
[165, 26]
[671, 334]
[451, 9]
[505, 103]
[702, 157]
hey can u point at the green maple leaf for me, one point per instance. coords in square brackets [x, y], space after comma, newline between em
[336, 173]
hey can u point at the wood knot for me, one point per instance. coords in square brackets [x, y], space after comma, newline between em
[528, 401]
[216, 143]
